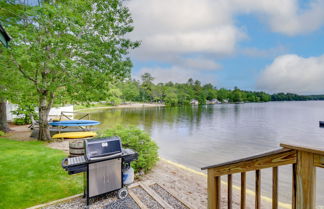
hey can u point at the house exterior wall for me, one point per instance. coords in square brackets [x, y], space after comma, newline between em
[11, 107]
[56, 111]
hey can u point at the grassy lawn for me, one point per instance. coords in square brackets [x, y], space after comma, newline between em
[31, 174]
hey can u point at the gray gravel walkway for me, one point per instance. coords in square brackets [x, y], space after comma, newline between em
[166, 196]
[146, 198]
[78, 203]
[127, 203]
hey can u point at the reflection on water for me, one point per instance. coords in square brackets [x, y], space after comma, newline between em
[199, 136]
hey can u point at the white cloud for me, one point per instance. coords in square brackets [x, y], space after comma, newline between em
[183, 68]
[183, 26]
[292, 73]
[216, 40]
[172, 30]
[208, 26]
[176, 74]
[199, 63]
[286, 17]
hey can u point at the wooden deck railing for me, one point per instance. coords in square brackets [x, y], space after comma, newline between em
[304, 161]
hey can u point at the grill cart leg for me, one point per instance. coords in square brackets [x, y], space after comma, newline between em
[87, 183]
[84, 185]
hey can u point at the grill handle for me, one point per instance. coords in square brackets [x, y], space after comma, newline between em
[63, 163]
[105, 157]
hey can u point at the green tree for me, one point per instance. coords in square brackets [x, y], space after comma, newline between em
[237, 95]
[73, 49]
[210, 91]
[114, 95]
[7, 79]
[171, 97]
[130, 90]
[223, 94]
[157, 93]
[13, 88]
[265, 97]
[147, 86]
[190, 82]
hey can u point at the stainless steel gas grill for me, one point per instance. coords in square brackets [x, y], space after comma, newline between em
[103, 165]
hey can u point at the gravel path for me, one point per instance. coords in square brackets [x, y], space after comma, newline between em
[166, 196]
[190, 187]
[146, 198]
[78, 203]
[127, 203]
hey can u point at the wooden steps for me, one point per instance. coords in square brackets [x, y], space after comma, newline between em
[136, 191]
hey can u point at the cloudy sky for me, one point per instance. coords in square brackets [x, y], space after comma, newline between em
[271, 45]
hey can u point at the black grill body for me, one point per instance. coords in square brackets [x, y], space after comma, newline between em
[102, 148]
[102, 165]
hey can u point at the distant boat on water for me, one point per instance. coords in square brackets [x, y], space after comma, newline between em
[321, 124]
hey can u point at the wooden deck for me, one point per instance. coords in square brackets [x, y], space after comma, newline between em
[303, 161]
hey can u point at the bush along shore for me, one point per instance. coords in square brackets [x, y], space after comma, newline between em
[141, 142]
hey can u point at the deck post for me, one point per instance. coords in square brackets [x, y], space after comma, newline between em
[305, 181]
[214, 190]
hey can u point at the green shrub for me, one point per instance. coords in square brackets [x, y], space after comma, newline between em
[139, 141]
[20, 121]
[2, 133]
[24, 112]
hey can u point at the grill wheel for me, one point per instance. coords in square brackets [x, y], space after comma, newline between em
[122, 193]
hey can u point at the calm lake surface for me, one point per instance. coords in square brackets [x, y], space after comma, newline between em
[198, 136]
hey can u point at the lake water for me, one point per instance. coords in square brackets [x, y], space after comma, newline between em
[198, 136]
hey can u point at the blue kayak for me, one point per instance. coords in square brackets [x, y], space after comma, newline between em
[75, 123]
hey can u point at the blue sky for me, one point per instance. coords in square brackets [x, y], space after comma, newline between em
[253, 44]
[243, 70]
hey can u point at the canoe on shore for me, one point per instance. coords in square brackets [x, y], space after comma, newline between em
[75, 123]
[54, 131]
[75, 135]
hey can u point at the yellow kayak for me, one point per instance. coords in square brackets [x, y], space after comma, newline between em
[74, 135]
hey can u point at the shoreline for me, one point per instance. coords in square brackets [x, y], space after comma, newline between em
[142, 105]
[122, 106]
[250, 194]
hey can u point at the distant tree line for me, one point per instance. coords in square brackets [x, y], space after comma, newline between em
[295, 97]
[180, 93]
[173, 94]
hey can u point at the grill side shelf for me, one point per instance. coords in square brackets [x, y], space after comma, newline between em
[73, 161]
[74, 165]
[64, 163]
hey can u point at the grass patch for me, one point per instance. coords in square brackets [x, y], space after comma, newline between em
[31, 174]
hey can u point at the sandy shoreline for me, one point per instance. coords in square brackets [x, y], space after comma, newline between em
[131, 105]
[191, 186]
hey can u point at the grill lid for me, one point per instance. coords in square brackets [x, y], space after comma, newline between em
[102, 147]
